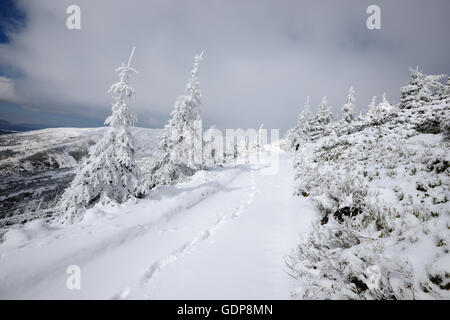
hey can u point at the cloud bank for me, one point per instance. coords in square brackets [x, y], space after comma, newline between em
[262, 58]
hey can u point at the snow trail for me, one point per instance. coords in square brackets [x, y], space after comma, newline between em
[221, 235]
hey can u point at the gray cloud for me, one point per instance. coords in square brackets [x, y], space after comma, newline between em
[262, 57]
[7, 90]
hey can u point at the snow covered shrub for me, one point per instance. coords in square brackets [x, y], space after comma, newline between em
[180, 148]
[381, 190]
[336, 262]
[446, 129]
[110, 173]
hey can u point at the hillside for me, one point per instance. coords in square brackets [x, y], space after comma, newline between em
[382, 189]
[38, 165]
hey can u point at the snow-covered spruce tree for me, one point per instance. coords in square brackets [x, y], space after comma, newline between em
[319, 126]
[378, 114]
[410, 93]
[435, 86]
[349, 108]
[110, 173]
[421, 89]
[372, 110]
[384, 105]
[300, 133]
[180, 148]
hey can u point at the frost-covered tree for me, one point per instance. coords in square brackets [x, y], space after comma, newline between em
[321, 121]
[180, 148]
[349, 108]
[301, 132]
[411, 92]
[435, 86]
[324, 115]
[110, 173]
[421, 89]
[380, 111]
[384, 104]
[372, 108]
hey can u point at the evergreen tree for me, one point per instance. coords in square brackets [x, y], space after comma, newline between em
[349, 108]
[372, 110]
[321, 122]
[421, 89]
[181, 141]
[384, 105]
[300, 133]
[410, 92]
[110, 173]
[324, 115]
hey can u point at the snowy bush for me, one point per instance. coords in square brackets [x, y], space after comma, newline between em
[336, 262]
[380, 185]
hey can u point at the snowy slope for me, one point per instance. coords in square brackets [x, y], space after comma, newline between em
[382, 191]
[223, 234]
[37, 165]
[60, 147]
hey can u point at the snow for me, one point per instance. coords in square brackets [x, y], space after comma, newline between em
[221, 235]
[382, 191]
[57, 146]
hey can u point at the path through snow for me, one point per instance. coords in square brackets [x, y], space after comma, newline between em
[222, 235]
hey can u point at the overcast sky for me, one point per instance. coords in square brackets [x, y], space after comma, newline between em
[262, 57]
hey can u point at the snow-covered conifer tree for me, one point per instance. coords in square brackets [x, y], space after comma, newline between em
[181, 139]
[410, 92]
[385, 105]
[421, 89]
[436, 87]
[300, 133]
[110, 173]
[349, 108]
[320, 123]
[324, 115]
[372, 109]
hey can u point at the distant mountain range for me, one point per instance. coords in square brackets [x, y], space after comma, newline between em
[7, 127]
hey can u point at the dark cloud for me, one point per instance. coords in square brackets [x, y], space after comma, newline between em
[262, 57]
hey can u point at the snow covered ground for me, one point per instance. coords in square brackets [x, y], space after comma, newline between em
[221, 235]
